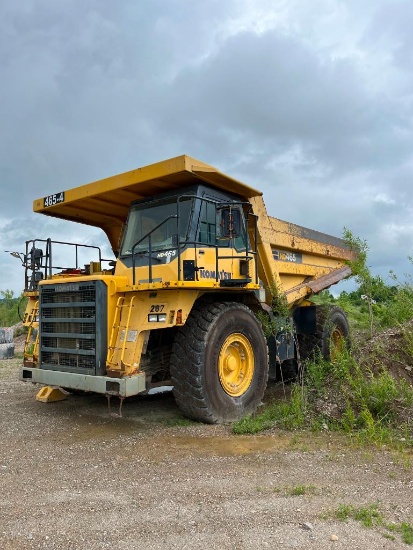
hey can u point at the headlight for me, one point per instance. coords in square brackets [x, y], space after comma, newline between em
[157, 318]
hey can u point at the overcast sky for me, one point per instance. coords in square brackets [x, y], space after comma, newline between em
[311, 102]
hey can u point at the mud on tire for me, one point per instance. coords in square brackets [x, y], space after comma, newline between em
[219, 363]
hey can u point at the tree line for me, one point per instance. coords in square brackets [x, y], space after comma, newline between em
[11, 308]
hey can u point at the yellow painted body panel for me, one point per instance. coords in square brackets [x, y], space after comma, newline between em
[166, 275]
[131, 326]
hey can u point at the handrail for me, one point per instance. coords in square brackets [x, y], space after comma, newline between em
[41, 263]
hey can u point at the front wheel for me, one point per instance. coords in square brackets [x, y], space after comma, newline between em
[219, 363]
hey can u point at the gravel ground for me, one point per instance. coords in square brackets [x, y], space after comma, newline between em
[73, 476]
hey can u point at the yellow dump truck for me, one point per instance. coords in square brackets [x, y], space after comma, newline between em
[200, 270]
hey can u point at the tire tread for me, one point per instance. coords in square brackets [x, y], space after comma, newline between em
[187, 360]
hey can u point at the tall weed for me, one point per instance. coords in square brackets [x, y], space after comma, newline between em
[340, 395]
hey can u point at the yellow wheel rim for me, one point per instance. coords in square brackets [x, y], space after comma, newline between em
[236, 365]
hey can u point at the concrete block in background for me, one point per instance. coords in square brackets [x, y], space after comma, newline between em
[6, 343]
[6, 335]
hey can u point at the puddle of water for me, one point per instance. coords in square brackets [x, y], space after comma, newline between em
[160, 389]
[87, 428]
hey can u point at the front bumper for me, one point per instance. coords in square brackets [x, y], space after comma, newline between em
[123, 387]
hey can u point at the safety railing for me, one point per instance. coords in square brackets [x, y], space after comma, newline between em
[41, 260]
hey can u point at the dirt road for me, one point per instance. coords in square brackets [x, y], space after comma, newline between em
[71, 476]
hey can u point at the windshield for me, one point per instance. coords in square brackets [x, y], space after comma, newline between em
[157, 221]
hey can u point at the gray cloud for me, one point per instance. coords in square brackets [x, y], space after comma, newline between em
[312, 104]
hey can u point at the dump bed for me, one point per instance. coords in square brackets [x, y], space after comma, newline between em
[296, 260]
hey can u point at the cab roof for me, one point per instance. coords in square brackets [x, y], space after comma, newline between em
[105, 203]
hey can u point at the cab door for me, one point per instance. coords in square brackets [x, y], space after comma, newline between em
[233, 245]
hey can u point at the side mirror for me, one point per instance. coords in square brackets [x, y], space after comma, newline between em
[35, 257]
[230, 222]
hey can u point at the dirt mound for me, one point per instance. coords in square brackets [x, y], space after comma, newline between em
[391, 349]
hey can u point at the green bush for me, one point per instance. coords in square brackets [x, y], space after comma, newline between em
[9, 308]
[341, 396]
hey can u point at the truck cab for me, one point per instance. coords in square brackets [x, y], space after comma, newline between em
[198, 234]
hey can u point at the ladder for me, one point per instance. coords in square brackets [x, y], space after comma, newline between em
[31, 345]
[119, 333]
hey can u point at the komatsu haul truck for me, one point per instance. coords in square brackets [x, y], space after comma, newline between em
[198, 265]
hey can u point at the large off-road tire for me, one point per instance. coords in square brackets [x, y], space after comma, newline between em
[332, 335]
[219, 363]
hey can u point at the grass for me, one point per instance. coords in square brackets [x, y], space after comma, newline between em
[300, 490]
[287, 413]
[370, 407]
[296, 491]
[367, 516]
[408, 341]
[371, 517]
[406, 530]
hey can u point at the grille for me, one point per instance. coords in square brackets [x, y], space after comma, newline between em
[69, 312]
[68, 343]
[73, 327]
[69, 328]
[66, 361]
[86, 294]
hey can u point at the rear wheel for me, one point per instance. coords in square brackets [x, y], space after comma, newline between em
[219, 363]
[332, 335]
